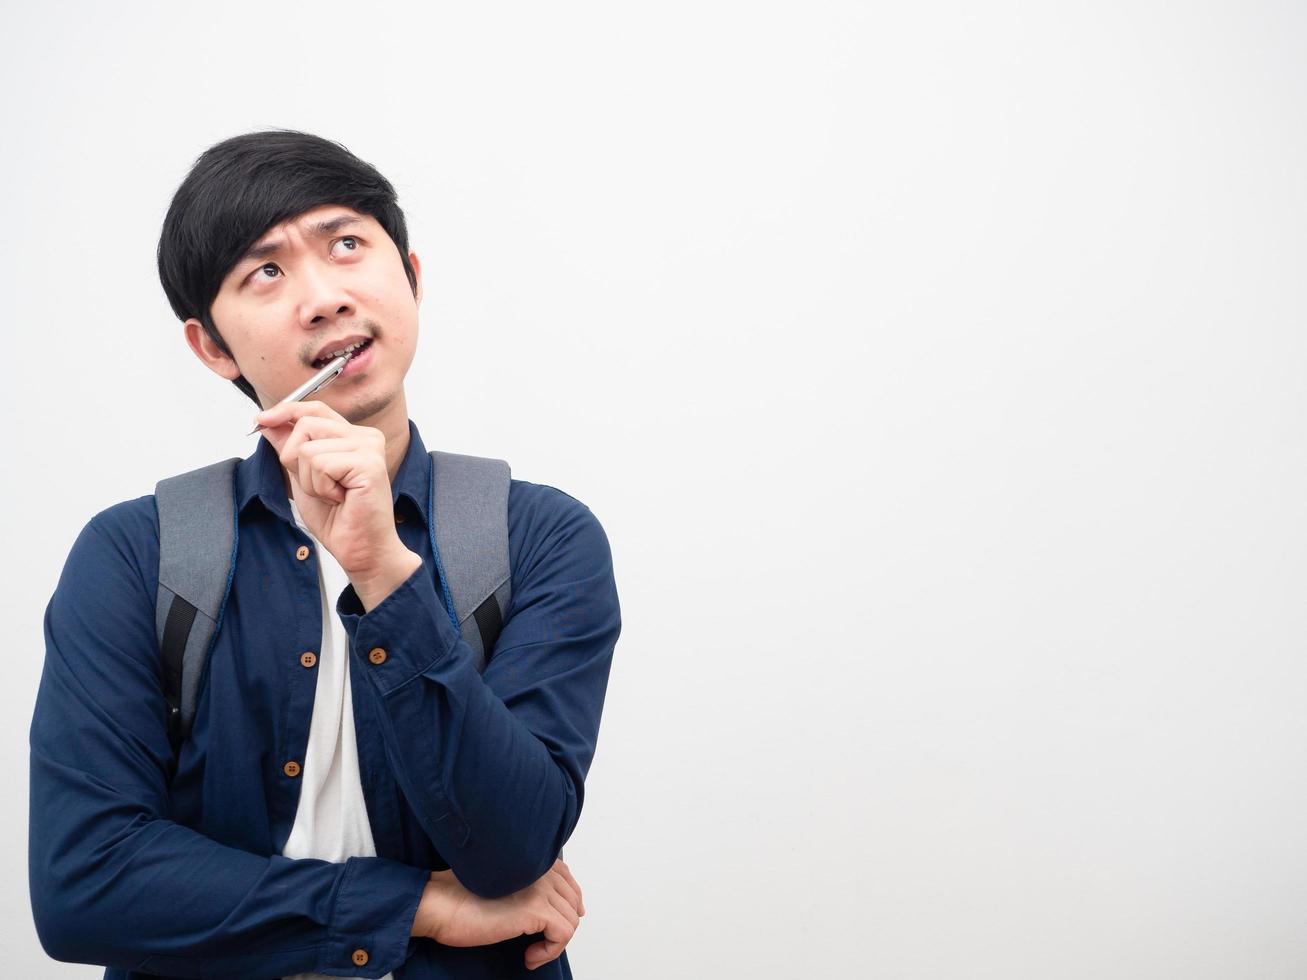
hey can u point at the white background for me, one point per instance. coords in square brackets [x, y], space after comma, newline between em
[935, 370]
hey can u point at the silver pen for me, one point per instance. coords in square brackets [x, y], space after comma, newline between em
[315, 384]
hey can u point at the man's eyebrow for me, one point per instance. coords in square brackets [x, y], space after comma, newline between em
[319, 230]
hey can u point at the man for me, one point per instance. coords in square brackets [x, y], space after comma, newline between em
[355, 798]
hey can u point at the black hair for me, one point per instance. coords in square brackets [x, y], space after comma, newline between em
[243, 186]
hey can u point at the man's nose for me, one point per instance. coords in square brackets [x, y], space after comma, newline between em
[323, 296]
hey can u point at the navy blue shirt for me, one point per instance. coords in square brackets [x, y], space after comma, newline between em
[483, 773]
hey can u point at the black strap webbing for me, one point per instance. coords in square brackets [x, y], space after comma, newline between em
[176, 631]
[489, 621]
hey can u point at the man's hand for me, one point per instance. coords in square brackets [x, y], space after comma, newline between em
[340, 484]
[453, 916]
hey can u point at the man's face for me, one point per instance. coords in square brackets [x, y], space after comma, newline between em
[310, 286]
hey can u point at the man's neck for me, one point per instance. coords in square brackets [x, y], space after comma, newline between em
[392, 420]
[396, 449]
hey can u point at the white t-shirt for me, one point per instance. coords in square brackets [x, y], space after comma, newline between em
[331, 821]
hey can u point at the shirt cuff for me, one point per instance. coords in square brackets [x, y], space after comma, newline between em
[372, 921]
[404, 635]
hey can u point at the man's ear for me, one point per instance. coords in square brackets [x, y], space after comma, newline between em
[209, 352]
[417, 275]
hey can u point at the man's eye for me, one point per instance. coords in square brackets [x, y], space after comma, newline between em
[353, 243]
[264, 268]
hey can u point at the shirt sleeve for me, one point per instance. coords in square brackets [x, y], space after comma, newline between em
[494, 764]
[113, 880]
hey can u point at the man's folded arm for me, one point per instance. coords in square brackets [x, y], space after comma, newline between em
[115, 882]
[494, 765]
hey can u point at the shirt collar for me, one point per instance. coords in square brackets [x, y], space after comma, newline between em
[259, 475]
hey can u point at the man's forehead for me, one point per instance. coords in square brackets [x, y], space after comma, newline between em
[317, 221]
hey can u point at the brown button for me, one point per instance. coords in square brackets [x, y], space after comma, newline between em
[377, 655]
[308, 658]
[399, 518]
[291, 768]
[302, 552]
[360, 957]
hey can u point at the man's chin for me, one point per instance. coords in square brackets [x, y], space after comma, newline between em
[366, 409]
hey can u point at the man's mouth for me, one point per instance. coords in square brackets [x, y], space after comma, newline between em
[351, 349]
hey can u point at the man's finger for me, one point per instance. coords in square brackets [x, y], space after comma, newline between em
[341, 467]
[293, 410]
[565, 910]
[327, 470]
[538, 954]
[565, 888]
[558, 932]
[306, 431]
[566, 872]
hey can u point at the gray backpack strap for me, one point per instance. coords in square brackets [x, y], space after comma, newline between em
[469, 537]
[197, 557]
